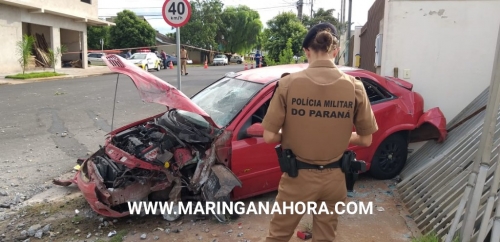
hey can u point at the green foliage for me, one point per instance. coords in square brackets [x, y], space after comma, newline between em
[94, 36]
[322, 16]
[131, 31]
[34, 75]
[24, 49]
[54, 55]
[286, 55]
[204, 27]
[283, 27]
[241, 29]
[431, 237]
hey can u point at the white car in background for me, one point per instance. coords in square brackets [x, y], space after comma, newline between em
[146, 60]
[95, 59]
[237, 59]
[220, 60]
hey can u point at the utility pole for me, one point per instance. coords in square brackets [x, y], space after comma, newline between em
[312, 4]
[348, 37]
[300, 4]
[342, 12]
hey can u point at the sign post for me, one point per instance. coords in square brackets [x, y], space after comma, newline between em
[177, 13]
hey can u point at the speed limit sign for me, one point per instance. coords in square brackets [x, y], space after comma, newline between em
[176, 12]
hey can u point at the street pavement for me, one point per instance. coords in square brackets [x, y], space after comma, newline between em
[46, 126]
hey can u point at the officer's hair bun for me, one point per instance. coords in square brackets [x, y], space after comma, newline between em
[324, 41]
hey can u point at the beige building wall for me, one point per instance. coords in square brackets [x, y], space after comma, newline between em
[443, 47]
[446, 50]
[357, 44]
[60, 21]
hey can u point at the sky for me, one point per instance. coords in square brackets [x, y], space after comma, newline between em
[266, 8]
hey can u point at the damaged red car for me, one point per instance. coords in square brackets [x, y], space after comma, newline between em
[209, 147]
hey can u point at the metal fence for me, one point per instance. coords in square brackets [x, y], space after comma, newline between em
[452, 188]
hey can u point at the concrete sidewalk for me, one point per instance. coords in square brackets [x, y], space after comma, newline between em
[70, 73]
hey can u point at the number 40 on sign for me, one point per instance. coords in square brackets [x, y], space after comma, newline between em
[176, 12]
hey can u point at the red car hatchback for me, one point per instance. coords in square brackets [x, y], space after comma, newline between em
[200, 148]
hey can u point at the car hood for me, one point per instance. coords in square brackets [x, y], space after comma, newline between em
[154, 90]
[136, 61]
[219, 59]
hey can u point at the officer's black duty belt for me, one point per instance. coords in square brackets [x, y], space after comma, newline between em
[303, 165]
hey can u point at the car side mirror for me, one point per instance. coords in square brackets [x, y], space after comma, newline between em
[255, 130]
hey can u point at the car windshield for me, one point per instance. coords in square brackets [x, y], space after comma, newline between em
[138, 56]
[224, 99]
[219, 56]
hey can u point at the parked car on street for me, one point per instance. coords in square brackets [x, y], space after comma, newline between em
[220, 60]
[237, 59]
[172, 59]
[95, 59]
[146, 60]
[211, 143]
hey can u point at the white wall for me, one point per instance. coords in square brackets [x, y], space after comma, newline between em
[357, 44]
[11, 19]
[448, 46]
[74, 7]
[71, 39]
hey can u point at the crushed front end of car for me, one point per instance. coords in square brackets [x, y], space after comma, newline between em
[180, 155]
[171, 157]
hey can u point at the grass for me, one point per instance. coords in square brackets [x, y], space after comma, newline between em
[431, 237]
[32, 75]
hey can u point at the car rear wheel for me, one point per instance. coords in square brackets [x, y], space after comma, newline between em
[390, 157]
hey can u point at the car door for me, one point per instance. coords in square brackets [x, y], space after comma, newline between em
[150, 60]
[384, 108]
[254, 161]
[91, 59]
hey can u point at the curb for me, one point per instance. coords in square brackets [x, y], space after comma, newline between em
[8, 81]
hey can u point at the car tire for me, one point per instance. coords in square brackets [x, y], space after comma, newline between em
[239, 62]
[158, 67]
[390, 157]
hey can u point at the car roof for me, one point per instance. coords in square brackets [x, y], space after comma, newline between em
[272, 73]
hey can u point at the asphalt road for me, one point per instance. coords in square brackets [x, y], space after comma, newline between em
[46, 126]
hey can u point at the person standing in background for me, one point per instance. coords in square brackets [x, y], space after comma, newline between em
[258, 57]
[184, 57]
[164, 59]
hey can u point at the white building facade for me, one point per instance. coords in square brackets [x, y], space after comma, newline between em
[445, 48]
[60, 22]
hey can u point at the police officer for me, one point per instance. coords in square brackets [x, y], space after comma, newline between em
[312, 113]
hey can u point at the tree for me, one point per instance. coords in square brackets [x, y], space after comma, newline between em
[241, 29]
[281, 28]
[323, 16]
[94, 36]
[24, 49]
[54, 55]
[131, 31]
[202, 30]
[286, 55]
